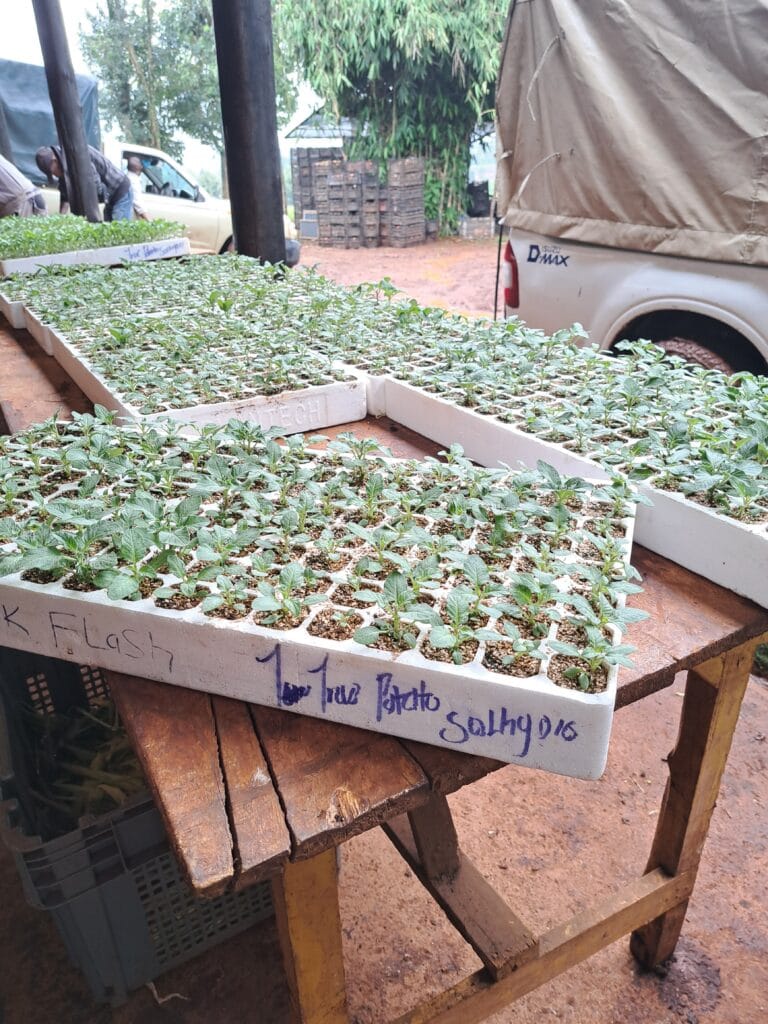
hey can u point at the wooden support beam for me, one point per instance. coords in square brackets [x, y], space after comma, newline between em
[434, 834]
[478, 996]
[309, 925]
[474, 908]
[67, 112]
[243, 30]
[713, 696]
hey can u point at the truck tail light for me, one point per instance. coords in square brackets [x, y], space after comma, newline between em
[509, 279]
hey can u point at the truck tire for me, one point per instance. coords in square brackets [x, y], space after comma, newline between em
[695, 352]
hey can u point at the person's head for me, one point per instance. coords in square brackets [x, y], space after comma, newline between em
[134, 165]
[47, 160]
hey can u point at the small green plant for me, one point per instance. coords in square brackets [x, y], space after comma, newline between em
[397, 603]
[592, 660]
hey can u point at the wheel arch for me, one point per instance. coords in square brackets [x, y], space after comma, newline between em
[724, 333]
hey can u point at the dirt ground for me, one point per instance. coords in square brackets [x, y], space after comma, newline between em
[549, 845]
[452, 273]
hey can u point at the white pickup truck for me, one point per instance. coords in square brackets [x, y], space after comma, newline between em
[632, 174]
[171, 192]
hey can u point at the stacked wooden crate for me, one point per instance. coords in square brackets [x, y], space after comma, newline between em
[406, 222]
[339, 199]
[370, 217]
[304, 160]
[354, 209]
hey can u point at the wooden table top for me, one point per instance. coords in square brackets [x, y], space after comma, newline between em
[244, 788]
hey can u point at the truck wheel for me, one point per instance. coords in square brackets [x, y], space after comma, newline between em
[694, 352]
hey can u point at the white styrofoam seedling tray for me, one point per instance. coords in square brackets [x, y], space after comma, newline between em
[728, 552]
[13, 311]
[522, 721]
[109, 256]
[41, 332]
[294, 412]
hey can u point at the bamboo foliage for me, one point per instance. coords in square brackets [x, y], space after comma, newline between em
[417, 77]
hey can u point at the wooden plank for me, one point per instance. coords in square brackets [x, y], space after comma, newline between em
[449, 770]
[306, 902]
[478, 996]
[174, 735]
[474, 908]
[434, 834]
[256, 820]
[335, 781]
[713, 696]
[691, 619]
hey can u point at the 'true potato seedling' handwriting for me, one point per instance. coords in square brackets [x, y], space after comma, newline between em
[393, 700]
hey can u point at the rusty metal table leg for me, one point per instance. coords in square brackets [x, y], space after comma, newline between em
[713, 696]
[307, 911]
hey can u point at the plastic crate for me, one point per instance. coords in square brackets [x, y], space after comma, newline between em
[112, 886]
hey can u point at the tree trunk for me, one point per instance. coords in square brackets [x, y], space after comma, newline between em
[67, 112]
[243, 30]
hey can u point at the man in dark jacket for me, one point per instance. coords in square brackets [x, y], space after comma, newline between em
[112, 184]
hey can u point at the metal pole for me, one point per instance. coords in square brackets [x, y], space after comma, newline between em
[67, 112]
[243, 30]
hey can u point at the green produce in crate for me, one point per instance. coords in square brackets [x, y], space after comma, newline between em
[85, 765]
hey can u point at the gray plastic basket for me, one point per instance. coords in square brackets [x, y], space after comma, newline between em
[112, 886]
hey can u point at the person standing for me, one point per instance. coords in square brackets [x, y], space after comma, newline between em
[111, 182]
[134, 174]
[17, 193]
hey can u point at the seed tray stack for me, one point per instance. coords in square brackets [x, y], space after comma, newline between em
[320, 173]
[405, 202]
[384, 215]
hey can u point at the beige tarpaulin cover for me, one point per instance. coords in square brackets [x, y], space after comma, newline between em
[640, 124]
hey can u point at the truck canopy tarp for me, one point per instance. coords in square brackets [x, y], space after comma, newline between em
[29, 115]
[637, 125]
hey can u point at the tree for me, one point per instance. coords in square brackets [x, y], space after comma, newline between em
[417, 76]
[157, 65]
[122, 47]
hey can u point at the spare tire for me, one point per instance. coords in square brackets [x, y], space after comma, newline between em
[696, 352]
